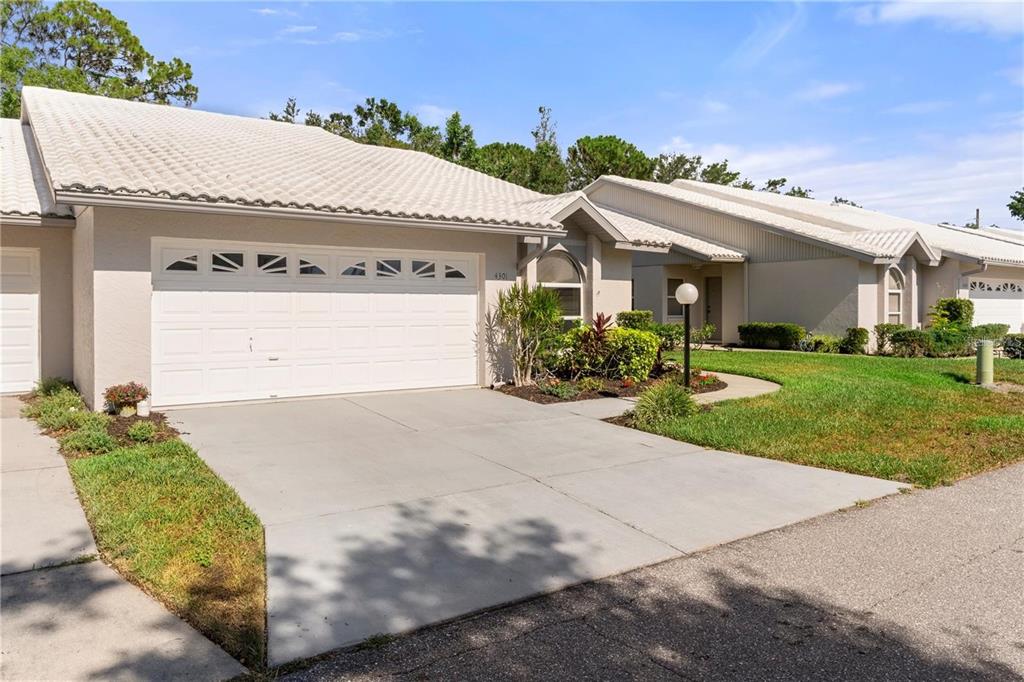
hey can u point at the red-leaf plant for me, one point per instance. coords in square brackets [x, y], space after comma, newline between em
[131, 393]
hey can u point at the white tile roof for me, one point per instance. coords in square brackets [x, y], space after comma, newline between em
[646, 233]
[23, 190]
[763, 216]
[129, 149]
[986, 244]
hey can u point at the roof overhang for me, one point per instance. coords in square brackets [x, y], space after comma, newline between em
[633, 246]
[583, 204]
[17, 220]
[154, 203]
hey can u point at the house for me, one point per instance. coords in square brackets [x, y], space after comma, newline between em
[766, 257]
[217, 258]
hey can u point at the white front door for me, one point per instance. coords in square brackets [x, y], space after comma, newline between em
[243, 321]
[19, 319]
[998, 301]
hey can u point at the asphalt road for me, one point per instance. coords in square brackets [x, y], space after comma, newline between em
[927, 585]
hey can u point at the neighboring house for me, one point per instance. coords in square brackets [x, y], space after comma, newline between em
[217, 258]
[760, 256]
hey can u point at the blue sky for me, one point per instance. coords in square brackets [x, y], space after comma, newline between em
[911, 108]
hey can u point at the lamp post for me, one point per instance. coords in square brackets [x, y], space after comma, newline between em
[686, 294]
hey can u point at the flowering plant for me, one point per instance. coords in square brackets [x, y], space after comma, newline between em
[131, 393]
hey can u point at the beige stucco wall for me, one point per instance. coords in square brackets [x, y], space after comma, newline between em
[122, 283]
[55, 293]
[820, 295]
[614, 289]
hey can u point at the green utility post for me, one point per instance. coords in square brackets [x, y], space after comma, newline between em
[985, 377]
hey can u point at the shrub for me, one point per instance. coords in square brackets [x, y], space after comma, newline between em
[130, 394]
[527, 321]
[55, 411]
[854, 342]
[991, 332]
[562, 390]
[142, 432]
[589, 385]
[1013, 346]
[772, 335]
[953, 312]
[819, 343]
[698, 337]
[635, 319]
[670, 335]
[910, 343]
[52, 385]
[632, 353]
[91, 440]
[883, 336]
[662, 401]
[949, 341]
[582, 352]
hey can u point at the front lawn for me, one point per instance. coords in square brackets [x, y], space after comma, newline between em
[915, 420]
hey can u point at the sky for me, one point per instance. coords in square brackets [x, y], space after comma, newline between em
[914, 109]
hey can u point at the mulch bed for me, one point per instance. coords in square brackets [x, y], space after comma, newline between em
[118, 427]
[612, 388]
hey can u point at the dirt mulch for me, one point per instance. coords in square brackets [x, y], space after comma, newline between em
[611, 388]
[118, 427]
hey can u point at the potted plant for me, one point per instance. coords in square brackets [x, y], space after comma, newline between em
[124, 398]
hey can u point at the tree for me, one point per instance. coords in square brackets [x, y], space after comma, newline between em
[1016, 204]
[506, 160]
[744, 184]
[548, 173]
[591, 157]
[718, 173]
[836, 201]
[79, 46]
[290, 113]
[458, 145]
[798, 191]
[774, 185]
[669, 167]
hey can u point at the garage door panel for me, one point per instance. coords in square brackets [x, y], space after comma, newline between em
[19, 319]
[998, 301]
[216, 337]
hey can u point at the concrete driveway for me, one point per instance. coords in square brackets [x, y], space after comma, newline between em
[390, 511]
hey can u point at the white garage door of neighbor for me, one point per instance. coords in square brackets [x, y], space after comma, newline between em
[243, 321]
[19, 319]
[999, 301]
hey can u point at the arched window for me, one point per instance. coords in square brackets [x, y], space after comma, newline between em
[558, 271]
[894, 283]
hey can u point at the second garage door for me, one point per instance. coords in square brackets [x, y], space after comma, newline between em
[998, 301]
[243, 322]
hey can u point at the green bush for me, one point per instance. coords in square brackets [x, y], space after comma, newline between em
[991, 332]
[635, 319]
[92, 440]
[525, 324]
[53, 411]
[949, 341]
[563, 390]
[52, 385]
[910, 343]
[589, 385]
[671, 335]
[142, 431]
[661, 402]
[1013, 346]
[632, 353]
[854, 342]
[819, 343]
[883, 336]
[771, 335]
[953, 312]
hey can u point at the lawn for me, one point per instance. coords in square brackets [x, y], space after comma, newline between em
[165, 521]
[915, 420]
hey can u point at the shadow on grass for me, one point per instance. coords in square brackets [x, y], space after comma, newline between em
[958, 377]
[686, 619]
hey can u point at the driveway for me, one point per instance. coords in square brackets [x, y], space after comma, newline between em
[390, 511]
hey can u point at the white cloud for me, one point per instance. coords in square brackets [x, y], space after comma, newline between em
[273, 11]
[433, 115]
[823, 91]
[1015, 75]
[925, 107]
[998, 16]
[767, 34]
[289, 30]
[714, 106]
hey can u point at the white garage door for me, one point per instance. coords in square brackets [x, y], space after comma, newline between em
[998, 301]
[19, 319]
[242, 321]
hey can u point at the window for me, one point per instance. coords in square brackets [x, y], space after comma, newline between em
[423, 269]
[312, 266]
[189, 263]
[557, 271]
[227, 261]
[675, 308]
[391, 267]
[452, 272]
[894, 282]
[272, 264]
[356, 269]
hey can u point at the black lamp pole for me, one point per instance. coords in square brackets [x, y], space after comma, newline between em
[686, 344]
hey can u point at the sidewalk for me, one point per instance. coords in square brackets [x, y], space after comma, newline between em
[67, 616]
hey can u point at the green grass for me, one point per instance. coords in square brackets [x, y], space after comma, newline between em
[915, 420]
[169, 524]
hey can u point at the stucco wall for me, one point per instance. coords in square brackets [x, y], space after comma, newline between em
[613, 291]
[820, 295]
[55, 293]
[651, 293]
[123, 287]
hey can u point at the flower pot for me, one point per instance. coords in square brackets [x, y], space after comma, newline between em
[127, 410]
[143, 408]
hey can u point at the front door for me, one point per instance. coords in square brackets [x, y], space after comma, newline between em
[713, 305]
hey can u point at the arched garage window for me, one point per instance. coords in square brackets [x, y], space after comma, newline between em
[894, 283]
[558, 271]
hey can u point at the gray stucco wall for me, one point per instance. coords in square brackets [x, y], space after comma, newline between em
[820, 295]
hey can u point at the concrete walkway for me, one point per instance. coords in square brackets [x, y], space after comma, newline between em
[82, 620]
[604, 408]
[924, 586]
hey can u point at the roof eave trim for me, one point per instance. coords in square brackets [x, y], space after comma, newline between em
[652, 248]
[18, 220]
[583, 204]
[91, 199]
